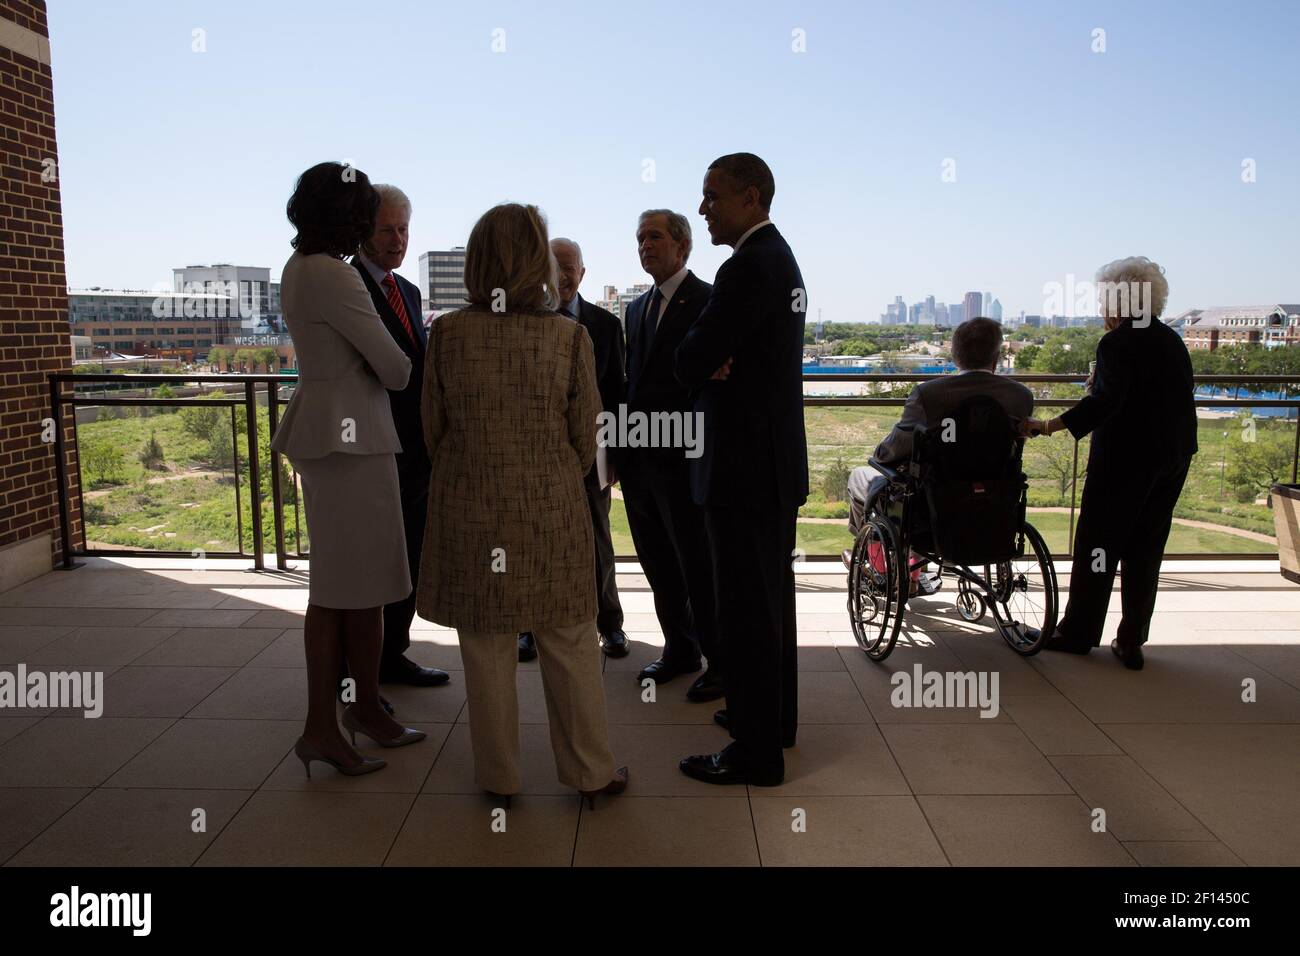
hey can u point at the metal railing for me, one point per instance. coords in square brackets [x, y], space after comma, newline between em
[247, 397]
[247, 384]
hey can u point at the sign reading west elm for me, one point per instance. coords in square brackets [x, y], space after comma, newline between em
[274, 341]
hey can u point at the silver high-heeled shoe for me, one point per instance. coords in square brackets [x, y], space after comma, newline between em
[408, 736]
[307, 753]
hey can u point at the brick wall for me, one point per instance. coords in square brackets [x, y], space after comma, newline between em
[34, 337]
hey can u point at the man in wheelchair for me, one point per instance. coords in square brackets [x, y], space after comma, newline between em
[947, 486]
[937, 405]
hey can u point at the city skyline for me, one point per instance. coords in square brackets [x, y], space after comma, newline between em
[1036, 189]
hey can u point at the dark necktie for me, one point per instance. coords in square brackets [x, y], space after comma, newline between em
[398, 306]
[650, 323]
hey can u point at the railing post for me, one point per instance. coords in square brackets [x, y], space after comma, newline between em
[277, 496]
[1295, 450]
[254, 475]
[239, 500]
[61, 472]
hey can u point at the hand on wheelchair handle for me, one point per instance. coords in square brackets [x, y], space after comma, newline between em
[1032, 428]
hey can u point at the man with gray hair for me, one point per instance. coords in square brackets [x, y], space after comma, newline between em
[397, 301]
[607, 343]
[667, 526]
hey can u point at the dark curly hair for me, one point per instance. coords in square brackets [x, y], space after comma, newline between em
[333, 207]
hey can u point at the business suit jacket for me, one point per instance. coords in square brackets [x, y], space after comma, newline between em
[413, 461]
[652, 386]
[606, 334]
[1140, 410]
[933, 401]
[346, 361]
[509, 409]
[755, 454]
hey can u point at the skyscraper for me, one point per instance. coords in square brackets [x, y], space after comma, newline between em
[974, 305]
[995, 311]
[442, 279]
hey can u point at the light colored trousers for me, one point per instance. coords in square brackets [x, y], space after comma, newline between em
[575, 705]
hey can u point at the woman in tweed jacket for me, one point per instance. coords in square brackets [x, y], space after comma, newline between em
[510, 404]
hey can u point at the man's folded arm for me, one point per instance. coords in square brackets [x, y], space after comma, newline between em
[720, 329]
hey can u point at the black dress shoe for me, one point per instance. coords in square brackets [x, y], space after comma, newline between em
[1059, 642]
[721, 718]
[527, 647]
[614, 644]
[723, 769]
[1131, 656]
[662, 671]
[406, 671]
[708, 686]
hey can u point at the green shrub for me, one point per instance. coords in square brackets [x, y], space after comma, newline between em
[835, 482]
[151, 456]
[102, 462]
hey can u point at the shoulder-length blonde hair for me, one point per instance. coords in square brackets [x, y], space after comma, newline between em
[509, 266]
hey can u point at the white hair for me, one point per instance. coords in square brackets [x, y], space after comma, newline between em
[392, 196]
[1134, 286]
[560, 240]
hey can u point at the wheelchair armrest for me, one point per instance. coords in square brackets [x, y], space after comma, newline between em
[893, 474]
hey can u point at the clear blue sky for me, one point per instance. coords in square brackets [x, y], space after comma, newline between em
[1064, 158]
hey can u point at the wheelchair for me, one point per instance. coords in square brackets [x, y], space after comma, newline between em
[958, 504]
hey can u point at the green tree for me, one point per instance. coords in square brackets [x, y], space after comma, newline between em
[1055, 458]
[1027, 357]
[1256, 465]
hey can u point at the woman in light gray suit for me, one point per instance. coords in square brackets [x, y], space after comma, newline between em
[338, 433]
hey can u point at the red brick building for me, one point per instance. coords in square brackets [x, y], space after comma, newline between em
[1269, 325]
[34, 339]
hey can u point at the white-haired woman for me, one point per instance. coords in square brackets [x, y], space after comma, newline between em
[1141, 416]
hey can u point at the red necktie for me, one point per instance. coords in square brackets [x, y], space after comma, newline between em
[398, 306]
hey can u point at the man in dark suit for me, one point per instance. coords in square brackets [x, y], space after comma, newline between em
[398, 303]
[1141, 414]
[607, 341]
[744, 353]
[976, 345]
[667, 526]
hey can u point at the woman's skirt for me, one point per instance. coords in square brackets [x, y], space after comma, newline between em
[354, 522]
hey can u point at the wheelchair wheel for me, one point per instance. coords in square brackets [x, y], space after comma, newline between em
[1023, 595]
[877, 589]
[970, 603]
